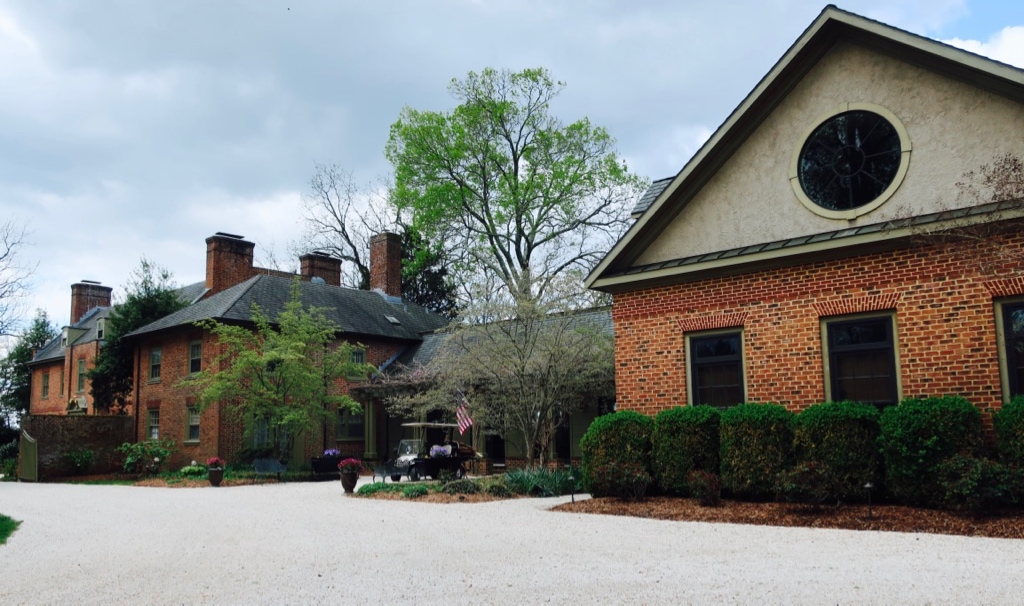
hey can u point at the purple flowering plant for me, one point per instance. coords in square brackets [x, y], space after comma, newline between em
[332, 452]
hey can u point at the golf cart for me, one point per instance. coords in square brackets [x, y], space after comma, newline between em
[427, 454]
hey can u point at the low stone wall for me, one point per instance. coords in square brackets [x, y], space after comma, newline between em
[57, 435]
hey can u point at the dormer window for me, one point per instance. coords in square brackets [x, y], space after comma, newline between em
[64, 338]
[101, 326]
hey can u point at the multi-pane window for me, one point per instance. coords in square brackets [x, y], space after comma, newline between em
[195, 357]
[260, 434]
[153, 423]
[1013, 346]
[716, 369]
[46, 385]
[350, 425]
[358, 356]
[80, 386]
[862, 361]
[155, 358]
[192, 434]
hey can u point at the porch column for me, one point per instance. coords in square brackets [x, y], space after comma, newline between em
[370, 430]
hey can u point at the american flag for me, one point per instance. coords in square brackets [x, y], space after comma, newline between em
[462, 414]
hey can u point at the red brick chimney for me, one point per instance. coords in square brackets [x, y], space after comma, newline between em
[86, 295]
[320, 265]
[228, 261]
[386, 264]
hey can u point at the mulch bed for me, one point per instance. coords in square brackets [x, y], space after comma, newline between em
[890, 518]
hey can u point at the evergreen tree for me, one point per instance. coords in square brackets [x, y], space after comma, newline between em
[150, 294]
[15, 375]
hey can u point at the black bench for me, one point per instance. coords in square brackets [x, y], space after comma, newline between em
[264, 467]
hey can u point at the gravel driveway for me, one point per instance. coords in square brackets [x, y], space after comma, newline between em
[307, 543]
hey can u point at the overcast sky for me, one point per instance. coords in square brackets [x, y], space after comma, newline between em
[131, 128]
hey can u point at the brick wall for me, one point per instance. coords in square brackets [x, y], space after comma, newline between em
[59, 435]
[60, 392]
[220, 432]
[941, 295]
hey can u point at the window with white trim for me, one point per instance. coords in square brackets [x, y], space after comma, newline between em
[155, 359]
[195, 357]
[192, 431]
[153, 423]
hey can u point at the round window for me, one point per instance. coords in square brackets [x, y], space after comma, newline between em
[851, 162]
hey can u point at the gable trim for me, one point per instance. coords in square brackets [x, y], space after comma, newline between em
[831, 25]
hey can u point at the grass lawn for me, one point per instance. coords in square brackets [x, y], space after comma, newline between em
[7, 527]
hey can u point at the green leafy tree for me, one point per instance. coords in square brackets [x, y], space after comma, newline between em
[284, 372]
[150, 294]
[15, 375]
[509, 189]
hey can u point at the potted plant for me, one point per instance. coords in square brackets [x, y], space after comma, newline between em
[215, 470]
[328, 463]
[349, 469]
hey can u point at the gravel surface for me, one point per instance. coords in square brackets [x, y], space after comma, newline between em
[307, 543]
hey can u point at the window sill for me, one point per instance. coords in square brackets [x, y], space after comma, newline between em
[190, 442]
[152, 381]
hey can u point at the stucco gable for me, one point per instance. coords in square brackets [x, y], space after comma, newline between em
[958, 111]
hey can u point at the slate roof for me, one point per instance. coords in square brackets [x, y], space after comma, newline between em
[53, 351]
[652, 193]
[359, 312]
[433, 344]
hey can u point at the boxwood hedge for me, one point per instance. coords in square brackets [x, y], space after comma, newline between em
[917, 436]
[686, 439]
[616, 453]
[756, 446]
[842, 437]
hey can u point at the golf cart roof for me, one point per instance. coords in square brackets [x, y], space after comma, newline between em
[431, 425]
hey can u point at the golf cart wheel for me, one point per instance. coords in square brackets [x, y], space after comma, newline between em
[414, 474]
[460, 472]
[396, 478]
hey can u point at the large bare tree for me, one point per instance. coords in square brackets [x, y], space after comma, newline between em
[14, 275]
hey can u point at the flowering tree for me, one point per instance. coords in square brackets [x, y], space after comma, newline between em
[284, 372]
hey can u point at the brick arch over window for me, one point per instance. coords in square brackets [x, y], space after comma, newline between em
[712, 322]
[856, 305]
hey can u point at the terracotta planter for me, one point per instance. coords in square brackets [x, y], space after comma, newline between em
[348, 481]
[215, 476]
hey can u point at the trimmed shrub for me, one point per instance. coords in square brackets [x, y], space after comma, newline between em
[1009, 428]
[973, 485]
[499, 490]
[460, 487]
[756, 446]
[809, 482]
[706, 487]
[415, 491]
[842, 437]
[617, 454]
[917, 436]
[685, 439]
[541, 482]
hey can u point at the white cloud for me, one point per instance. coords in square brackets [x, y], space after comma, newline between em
[1007, 46]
